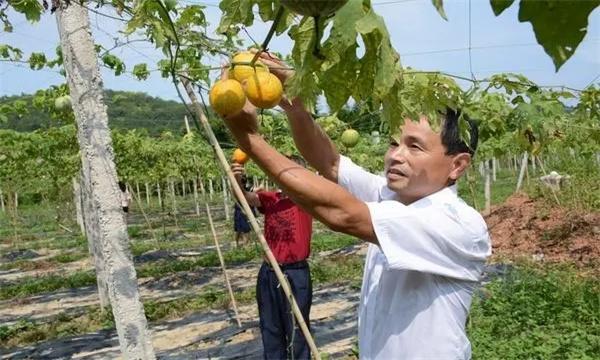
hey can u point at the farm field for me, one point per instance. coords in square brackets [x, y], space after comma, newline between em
[125, 126]
[539, 299]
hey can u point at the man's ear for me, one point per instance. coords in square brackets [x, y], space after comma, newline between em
[460, 164]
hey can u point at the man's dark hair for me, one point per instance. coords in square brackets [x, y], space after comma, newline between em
[451, 133]
[122, 185]
[297, 159]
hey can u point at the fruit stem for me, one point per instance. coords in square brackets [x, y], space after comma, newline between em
[265, 43]
[316, 48]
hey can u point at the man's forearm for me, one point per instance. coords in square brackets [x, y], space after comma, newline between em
[312, 142]
[325, 201]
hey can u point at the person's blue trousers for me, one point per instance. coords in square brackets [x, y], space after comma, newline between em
[278, 325]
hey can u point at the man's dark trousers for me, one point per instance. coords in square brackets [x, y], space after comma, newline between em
[277, 321]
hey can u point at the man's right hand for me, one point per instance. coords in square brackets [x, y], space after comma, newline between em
[238, 171]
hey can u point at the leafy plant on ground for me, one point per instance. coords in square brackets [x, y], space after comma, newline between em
[534, 313]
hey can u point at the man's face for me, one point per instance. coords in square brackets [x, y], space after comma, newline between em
[416, 164]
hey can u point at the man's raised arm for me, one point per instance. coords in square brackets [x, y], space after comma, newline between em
[312, 142]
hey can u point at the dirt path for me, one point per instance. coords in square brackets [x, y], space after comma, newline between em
[71, 301]
[213, 334]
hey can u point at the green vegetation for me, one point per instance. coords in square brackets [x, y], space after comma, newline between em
[538, 313]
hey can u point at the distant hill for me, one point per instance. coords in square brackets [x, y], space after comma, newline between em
[126, 110]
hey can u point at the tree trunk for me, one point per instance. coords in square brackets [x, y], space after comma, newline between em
[522, 171]
[86, 88]
[225, 199]
[488, 189]
[77, 201]
[211, 189]
[494, 168]
[159, 195]
[196, 204]
[2, 200]
[147, 194]
[137, 188]
[94, 238]
[174, 203]
[173, 200]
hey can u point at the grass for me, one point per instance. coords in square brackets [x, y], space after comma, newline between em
[28, 265]
[538, 313]
[234, 256]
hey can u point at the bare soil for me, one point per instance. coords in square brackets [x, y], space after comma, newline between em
[523, 227]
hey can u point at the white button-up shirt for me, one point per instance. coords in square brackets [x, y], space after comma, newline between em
[418, 283]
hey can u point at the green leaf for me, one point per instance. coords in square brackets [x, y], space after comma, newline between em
[343, 34]
[266, 9]
[304, 81]
[339, 86]
[559, 25]
[498, 6]
[37, 61]
[235, 12]
[114, 63]
[32, 9]
[383, 60]
[439, 6]
[140, 71]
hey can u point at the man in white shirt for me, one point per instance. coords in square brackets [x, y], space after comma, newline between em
[427, 247]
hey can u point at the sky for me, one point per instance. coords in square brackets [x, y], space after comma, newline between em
[423, 39]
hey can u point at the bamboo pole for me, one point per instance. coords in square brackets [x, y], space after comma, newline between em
[214, 232]
[246, 207]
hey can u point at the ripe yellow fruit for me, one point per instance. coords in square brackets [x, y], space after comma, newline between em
[240, 157]
[242, 72]
[227, 97]
[264, 90]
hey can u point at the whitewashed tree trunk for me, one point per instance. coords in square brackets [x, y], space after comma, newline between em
[78, 203]
[225, 199]
[16, 200]
[494, 168]
[159, 195]
[94, 238]
[522, 171]
[86, 90]
[137, 189]
[533, 166]
[211, 190]
[196, 203]
[2, 201]
[147, 193]
[488, 192]
[183, 187]
[172, 191]
[482, 168]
